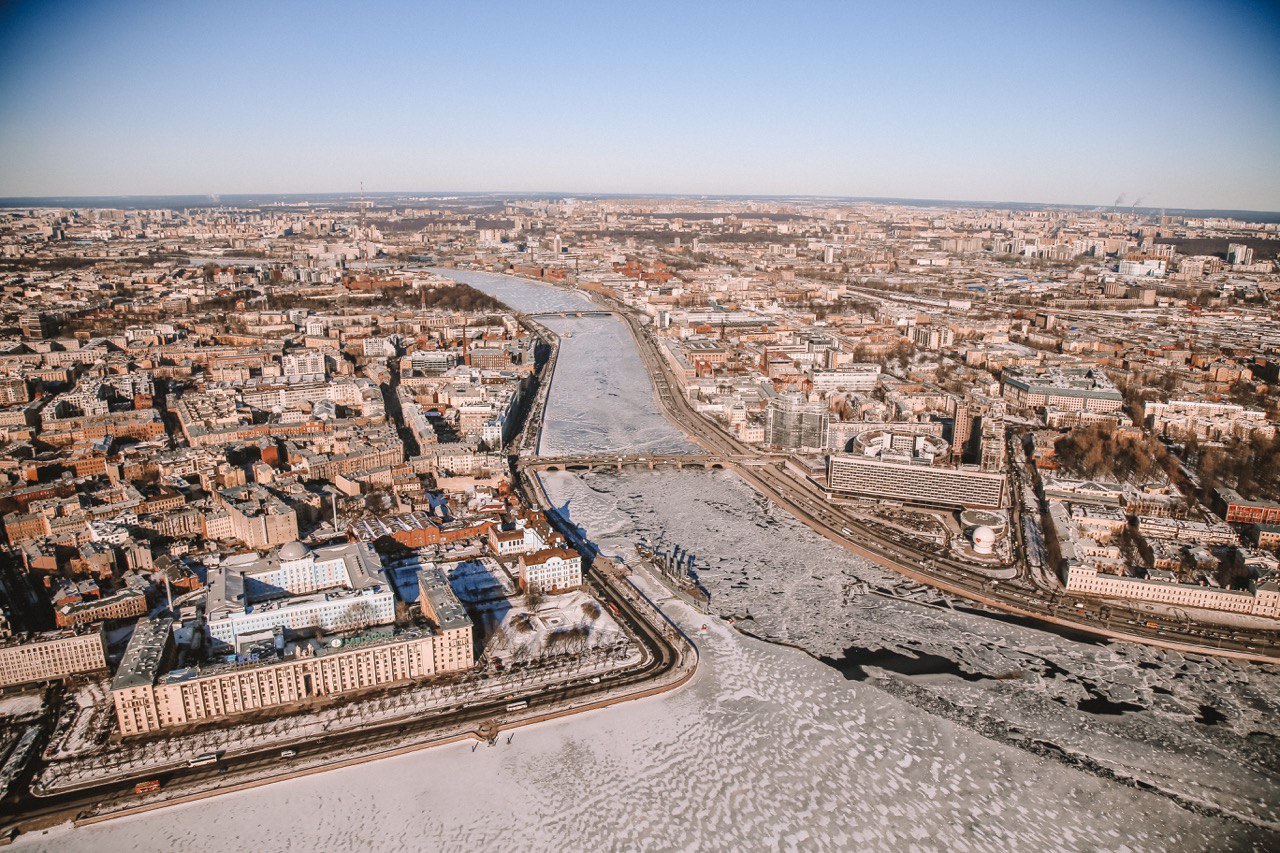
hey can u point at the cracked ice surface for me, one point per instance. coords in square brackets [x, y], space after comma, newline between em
[764, 749]
[800, 588]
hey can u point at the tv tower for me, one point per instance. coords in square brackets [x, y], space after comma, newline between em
[363, 234]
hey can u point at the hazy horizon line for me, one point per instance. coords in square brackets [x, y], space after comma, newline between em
[26, 200]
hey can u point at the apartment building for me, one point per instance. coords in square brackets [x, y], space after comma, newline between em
[13, 390]
[293, 391]
[47, 657]
[530, 532]
[849, 377]
[125, 604]
[258, 518]
[932, 337]
[1207, 421]
[793, 423]
[303, 363]
[551, 570]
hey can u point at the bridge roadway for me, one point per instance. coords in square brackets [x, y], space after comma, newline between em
[590, 462]
[586, 312]
[933, 567]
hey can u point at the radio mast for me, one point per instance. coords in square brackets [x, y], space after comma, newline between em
[364, 235]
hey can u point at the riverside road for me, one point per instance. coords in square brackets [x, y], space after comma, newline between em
[1019, 597]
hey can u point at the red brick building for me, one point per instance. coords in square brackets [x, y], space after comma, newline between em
[1235, 508]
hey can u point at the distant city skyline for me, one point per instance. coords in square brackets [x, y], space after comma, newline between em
[373, 197]
[1161, 104]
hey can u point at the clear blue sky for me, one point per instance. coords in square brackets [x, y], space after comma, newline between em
[1174, 102]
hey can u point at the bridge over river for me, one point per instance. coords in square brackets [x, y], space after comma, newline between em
[618, 462]
[570, 313]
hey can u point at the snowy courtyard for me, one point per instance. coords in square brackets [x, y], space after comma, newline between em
[560, 624]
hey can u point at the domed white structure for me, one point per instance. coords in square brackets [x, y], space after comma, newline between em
[984, 540]
[293, 551]
[972, 518]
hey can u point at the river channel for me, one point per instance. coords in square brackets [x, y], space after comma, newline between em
[770, 747]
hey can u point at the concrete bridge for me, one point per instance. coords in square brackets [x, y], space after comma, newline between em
[586, 312]
[618, 462]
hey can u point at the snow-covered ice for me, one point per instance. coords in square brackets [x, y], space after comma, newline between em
[798, 587]
[601, 399]
[521, 294]
[1206, 731]
[767, 747]
[764, 749]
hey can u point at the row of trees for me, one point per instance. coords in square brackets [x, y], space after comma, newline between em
[1250, 467]
[450, 297]
[841, 307]
[1137, 389]
[1102, 452]
[899, 353]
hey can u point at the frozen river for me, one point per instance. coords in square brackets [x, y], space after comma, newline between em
[520, 294]
[767, 747]
[1202, 730]
[601, 399]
